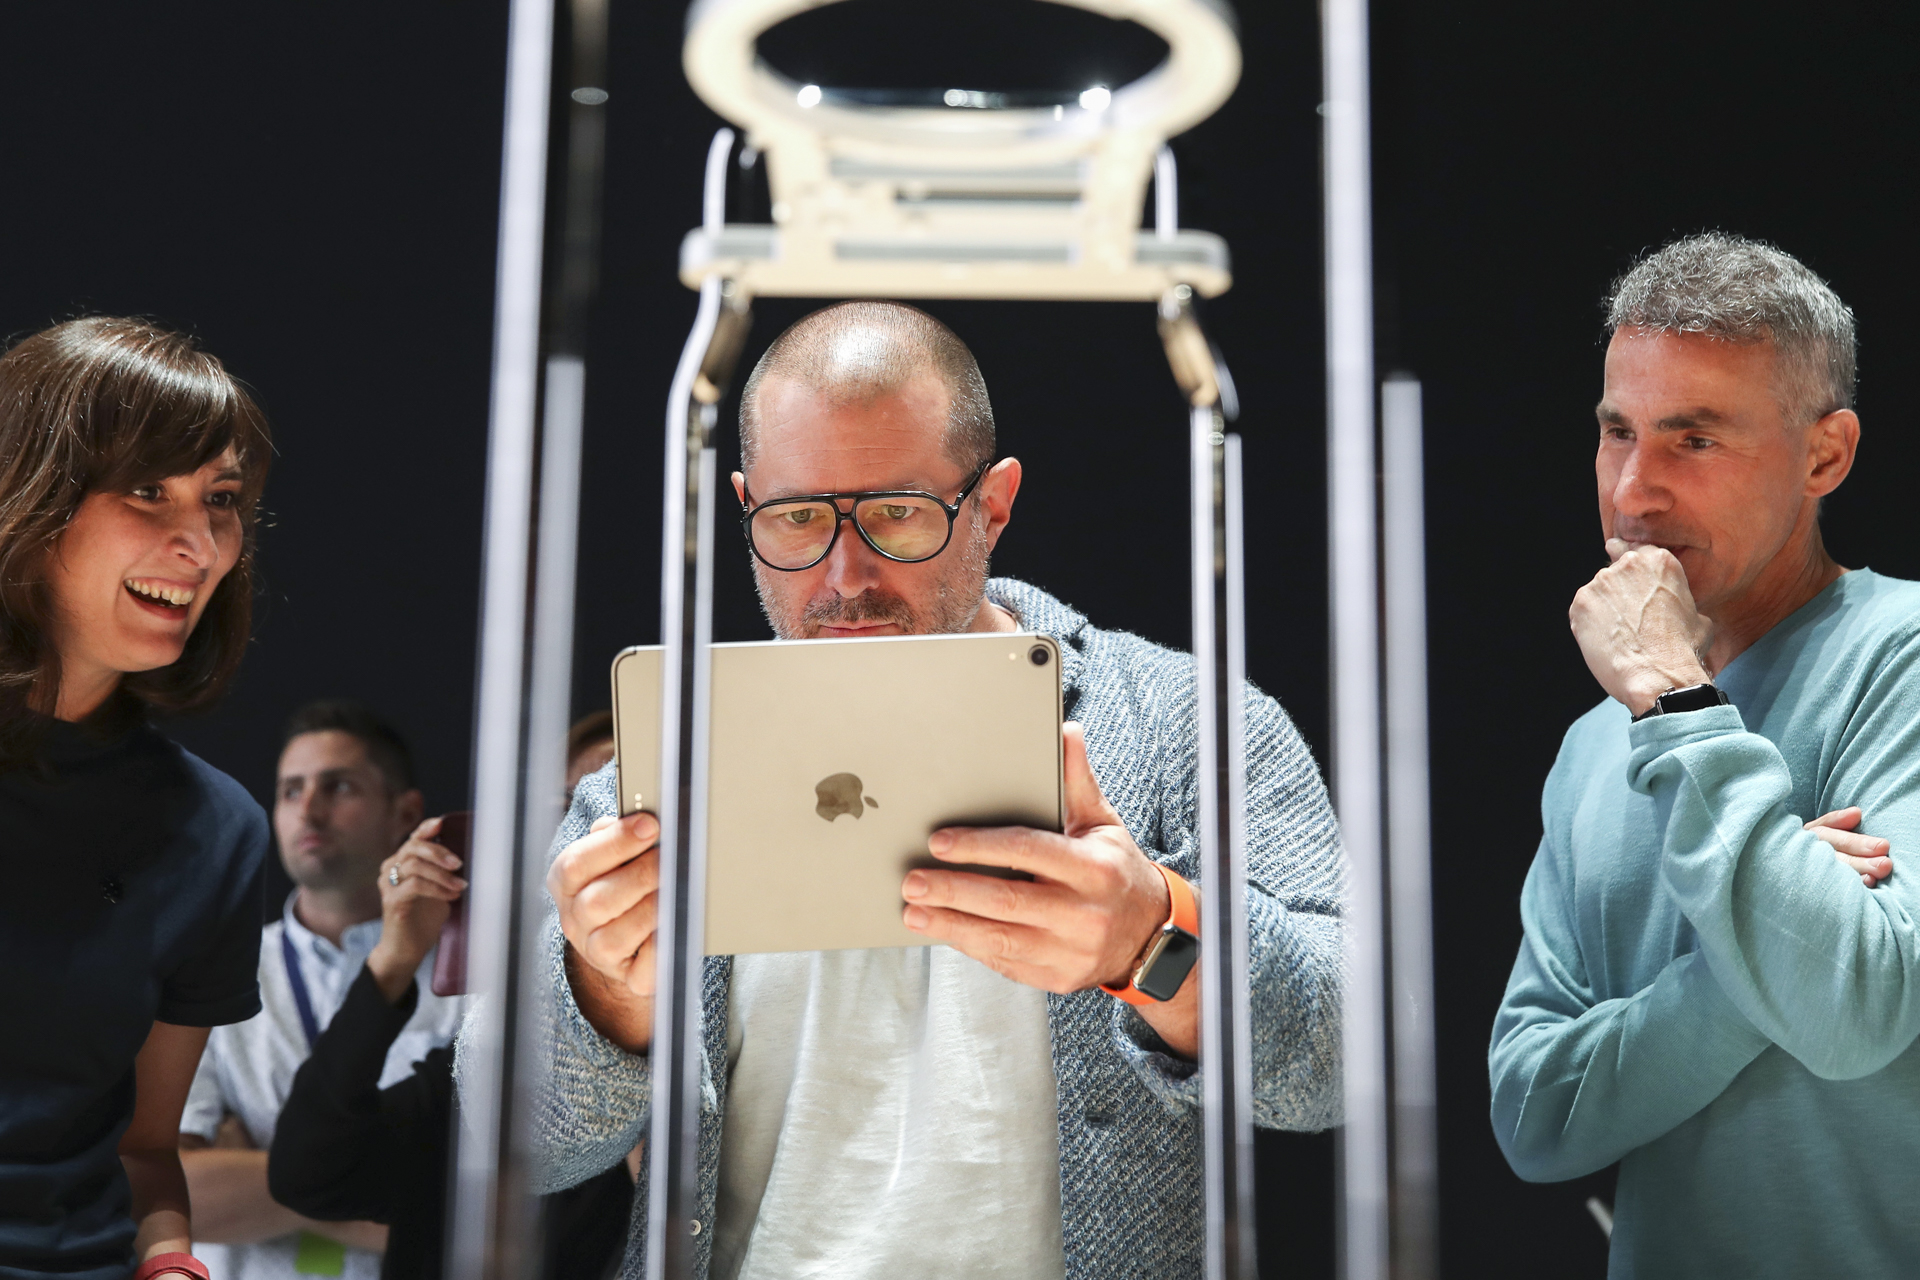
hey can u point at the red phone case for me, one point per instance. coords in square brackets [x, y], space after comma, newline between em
[450, 957]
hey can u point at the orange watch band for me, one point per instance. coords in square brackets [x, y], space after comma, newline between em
[1184, 914]
[1186, 907]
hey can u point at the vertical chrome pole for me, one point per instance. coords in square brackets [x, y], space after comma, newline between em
[1219, 652]
[685, 611]
[487, 1182]
[1226, 1033]
[1354, 580]
[1410, 896]
[686, 629]
[1224, 1058]
[526, 657]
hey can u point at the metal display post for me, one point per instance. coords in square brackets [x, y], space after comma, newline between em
[483, 1157]
[1219, 650]
[1409, 871]
[526, 635]
[1377, 550]
[1353, 572]
[686, 631]
[1226, 896]
[1220, 673]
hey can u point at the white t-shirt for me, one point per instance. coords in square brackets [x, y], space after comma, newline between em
[248, 1068]
[890, 1114]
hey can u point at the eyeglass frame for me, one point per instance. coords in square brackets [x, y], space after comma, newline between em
[853, 500]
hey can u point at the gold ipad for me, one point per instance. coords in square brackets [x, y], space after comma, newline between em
[831, 761]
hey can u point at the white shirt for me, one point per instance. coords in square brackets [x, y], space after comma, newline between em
[248, 1068]
[890, 1114]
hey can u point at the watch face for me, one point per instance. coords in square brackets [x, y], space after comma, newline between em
[1172, 959]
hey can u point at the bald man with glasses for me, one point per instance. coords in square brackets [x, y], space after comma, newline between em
[1024, 1100]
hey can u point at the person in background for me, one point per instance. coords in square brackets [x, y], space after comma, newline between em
[347, 1148]
[589, 747]
[1707, 993]
[131, 468]
[345, 801]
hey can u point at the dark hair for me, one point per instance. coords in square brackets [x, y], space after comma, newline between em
[594, 727]
[106, 404]
[387, 751]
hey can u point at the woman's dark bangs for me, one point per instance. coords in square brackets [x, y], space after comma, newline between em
[190, 424]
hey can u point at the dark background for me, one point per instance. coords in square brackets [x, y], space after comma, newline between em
[312, 189]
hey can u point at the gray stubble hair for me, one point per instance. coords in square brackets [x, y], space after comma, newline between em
[1746, 291]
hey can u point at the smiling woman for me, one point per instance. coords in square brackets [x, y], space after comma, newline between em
[131, 466]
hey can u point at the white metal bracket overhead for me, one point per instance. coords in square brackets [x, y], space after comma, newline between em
[964, 200]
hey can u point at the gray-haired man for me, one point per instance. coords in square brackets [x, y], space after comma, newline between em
[980, 1109]
[1707, 992]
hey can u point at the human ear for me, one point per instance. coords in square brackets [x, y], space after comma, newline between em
[408, 809]
[740, 487]
[997, 490]
[1832, 443]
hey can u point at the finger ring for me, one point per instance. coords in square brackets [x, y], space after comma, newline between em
[393, 876]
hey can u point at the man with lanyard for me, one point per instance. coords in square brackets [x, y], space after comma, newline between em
[1022, 1101]
[345, 801]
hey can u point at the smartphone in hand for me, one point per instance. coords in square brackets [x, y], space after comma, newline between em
[450, 957]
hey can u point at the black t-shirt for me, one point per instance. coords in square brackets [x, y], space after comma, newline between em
[130, 893]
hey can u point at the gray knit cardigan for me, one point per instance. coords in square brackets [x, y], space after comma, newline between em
[1130, 1159]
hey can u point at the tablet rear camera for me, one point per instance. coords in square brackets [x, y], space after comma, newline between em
[1037, 655]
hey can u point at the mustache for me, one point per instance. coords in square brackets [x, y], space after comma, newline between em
[870, 605]
[1652, 533]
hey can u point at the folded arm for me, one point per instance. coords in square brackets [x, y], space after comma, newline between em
[1579, 1082]
[1824, 966]
[232, 1203]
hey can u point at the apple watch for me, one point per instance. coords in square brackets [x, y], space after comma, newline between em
[1695, 697]
[1170, 957]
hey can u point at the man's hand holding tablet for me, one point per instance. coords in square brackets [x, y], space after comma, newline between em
[605, 886]
[1093, 906]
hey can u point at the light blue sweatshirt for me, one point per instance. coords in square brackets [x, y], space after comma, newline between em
[1704, 993]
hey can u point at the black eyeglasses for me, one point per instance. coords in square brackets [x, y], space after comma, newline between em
[904, 525]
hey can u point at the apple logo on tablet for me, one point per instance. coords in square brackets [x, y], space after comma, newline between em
[840, 793]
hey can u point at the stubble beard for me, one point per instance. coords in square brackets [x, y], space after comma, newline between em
[342, 867]
[958, 591]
